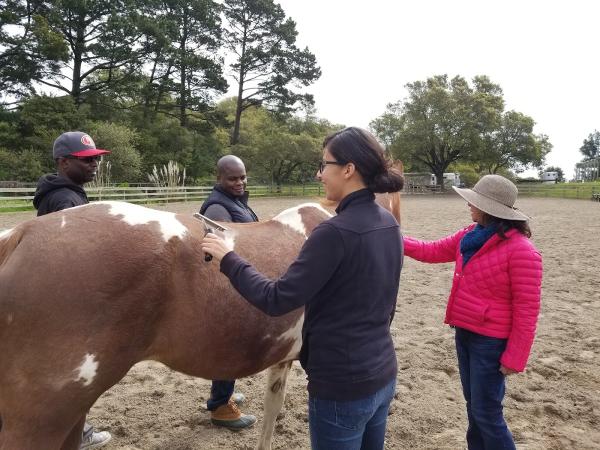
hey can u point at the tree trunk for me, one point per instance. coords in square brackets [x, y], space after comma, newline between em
[78, 50]
[182, 73]
[235, 137]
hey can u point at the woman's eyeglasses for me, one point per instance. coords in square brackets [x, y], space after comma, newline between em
[323, 163]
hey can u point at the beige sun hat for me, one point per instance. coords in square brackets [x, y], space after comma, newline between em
[494, 195]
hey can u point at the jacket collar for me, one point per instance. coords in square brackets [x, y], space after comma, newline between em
[355, 198]
[243, 198]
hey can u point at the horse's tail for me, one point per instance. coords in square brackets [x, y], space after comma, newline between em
[9, 240]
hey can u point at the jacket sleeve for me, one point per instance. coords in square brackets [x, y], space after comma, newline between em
[318, 260]
[440, 251]
[525, 272]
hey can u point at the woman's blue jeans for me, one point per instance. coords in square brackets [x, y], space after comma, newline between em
[354, 425]
[483, 388]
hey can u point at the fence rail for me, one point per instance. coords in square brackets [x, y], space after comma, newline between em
[12, 199]
[21, 198]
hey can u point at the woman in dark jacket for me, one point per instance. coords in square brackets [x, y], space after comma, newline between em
[346, 276]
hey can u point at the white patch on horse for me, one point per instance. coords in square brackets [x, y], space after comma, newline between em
[63, 222]
[138, 215]
[294, 334]
[87, 370]
[292, 218]
[10, 318]
[5, 233]
[229, 238]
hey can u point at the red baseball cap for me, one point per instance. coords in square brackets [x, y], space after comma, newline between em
[75, 143]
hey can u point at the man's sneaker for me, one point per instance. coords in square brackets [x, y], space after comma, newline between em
[238, 398]
[230, 416]
[95, 440]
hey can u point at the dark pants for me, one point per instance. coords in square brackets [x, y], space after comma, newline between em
[220, 393]
[353, 425]
[483, 388]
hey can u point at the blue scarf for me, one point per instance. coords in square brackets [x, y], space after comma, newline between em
[474, 240]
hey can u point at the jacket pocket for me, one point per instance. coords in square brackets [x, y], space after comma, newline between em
[472, 307]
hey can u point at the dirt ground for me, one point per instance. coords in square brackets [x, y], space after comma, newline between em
[554, 405]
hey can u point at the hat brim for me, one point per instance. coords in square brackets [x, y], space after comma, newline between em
[90, 152]
[489, 206]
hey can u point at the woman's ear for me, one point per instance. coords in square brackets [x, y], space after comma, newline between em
[349, 170]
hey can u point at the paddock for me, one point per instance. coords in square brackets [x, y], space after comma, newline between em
[554, 405]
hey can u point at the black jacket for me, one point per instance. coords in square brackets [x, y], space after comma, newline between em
[347, 277]
[236, 206]
[55, 193]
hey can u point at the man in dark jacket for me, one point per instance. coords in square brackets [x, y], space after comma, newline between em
[228, 202]
[76, 159]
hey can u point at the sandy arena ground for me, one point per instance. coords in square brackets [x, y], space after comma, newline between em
[554, 405]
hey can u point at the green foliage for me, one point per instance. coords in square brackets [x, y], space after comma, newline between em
[125, 160]
[20, 165]
[444, 122]
[511, 144]
[280, 152]
[591, 146]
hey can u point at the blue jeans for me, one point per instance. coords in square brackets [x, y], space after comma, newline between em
[483, 388]
[220, 393]
[358, 424]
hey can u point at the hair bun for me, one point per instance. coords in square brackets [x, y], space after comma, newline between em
[389, 181]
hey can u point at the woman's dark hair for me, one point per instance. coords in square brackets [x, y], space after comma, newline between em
[504, 225]
[360, 147]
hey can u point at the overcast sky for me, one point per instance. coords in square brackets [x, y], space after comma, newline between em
[544, 55]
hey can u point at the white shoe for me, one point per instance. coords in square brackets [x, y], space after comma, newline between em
[95, 440]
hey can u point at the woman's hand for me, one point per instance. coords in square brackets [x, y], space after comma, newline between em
[215, 246]
[506, 371]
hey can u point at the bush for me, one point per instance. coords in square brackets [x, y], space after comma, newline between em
[125, 160]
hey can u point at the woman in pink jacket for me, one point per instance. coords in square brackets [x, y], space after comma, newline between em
[493, 304]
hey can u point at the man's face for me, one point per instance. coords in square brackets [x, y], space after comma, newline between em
[79, 170]
[233, 179]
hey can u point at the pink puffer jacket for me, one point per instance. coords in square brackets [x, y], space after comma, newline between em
[496, 294]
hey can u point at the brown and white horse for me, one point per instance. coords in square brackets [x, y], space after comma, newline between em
[87, 292]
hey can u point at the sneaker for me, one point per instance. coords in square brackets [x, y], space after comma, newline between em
[238, 398]
[229, 416]
[95, 440]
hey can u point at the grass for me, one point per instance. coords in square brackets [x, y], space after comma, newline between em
[562, 190]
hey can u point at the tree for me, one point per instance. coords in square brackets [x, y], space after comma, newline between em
[591, 146]
[442, 120]
[277, 151]
[28, 47]
[186, 72]
[387, 126]
[70, 41]
[558, 170]
[266, 59]
[511, 144]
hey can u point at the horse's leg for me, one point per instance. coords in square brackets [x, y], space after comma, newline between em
[73, 440]
[274, 396]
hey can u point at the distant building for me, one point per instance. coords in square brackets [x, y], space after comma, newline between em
[549, 177]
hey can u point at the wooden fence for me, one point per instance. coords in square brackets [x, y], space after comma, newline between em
[17, 198]
[22, 197]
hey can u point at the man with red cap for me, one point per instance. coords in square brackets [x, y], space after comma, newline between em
[77, 160]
